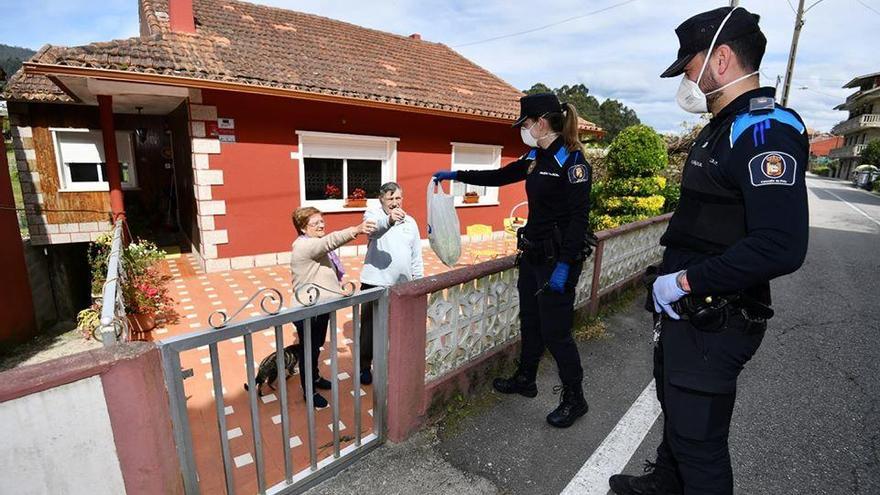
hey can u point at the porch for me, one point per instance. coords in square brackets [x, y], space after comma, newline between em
[199, 294]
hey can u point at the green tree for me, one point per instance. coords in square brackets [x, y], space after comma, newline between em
[614, 117]
[579, 95]
[871, 153]
[538, 88]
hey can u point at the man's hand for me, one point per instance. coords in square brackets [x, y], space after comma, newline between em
[559, 277]
[666, 291]
[397, 215]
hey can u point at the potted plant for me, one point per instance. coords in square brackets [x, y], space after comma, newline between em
[144, 287]
[356, 199]
[332, 191]
[471, 197]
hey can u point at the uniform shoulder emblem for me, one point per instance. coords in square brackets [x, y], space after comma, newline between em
[578, 173]
[530, 155]
[760, 124]
[773, 168]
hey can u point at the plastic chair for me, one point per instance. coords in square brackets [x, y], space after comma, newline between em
[511, 225]
[480, 232]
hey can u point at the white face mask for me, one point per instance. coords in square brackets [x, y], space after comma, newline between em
[529, 139]
[690, 97]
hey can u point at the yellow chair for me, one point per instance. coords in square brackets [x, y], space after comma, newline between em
[476, 233]
[511, 225]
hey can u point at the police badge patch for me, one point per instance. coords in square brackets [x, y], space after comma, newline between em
[578, 174]
[773, 168]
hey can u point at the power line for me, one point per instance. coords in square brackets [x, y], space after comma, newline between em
[872, 9]
[563, 21]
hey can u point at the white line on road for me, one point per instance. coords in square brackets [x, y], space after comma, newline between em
[854, 207]
[618, 447]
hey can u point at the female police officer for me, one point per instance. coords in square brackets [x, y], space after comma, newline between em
[553, 245]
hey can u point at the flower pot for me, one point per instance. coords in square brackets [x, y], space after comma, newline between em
[141, 324]
[471, 199]
[355, 203]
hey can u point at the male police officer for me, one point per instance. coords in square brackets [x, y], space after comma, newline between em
[742, 221]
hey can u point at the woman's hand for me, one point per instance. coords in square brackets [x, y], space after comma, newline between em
[366, 227]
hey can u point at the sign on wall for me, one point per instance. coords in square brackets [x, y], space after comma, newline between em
[223, 129]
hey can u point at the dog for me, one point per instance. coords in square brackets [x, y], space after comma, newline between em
[267, 373]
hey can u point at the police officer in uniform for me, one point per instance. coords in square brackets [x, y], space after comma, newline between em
[553, 246]
[741, 222]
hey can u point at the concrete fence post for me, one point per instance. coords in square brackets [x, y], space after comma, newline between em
[406, 363]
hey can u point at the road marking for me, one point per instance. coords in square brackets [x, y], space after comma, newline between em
[618, 447]
[854, 207]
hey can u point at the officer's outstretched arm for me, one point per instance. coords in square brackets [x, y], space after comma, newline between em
[770, 173]
[508, 174]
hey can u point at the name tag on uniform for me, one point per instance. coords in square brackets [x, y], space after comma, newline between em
[773, 168]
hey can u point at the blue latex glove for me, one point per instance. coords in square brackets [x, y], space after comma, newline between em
[442, 175]
[666, 291]
[559, 277]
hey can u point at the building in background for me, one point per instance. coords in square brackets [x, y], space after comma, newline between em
[862, 124]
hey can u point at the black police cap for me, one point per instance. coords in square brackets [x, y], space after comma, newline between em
[696, 33]
[537, 105]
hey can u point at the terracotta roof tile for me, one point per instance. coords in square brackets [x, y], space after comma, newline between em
[267, 46]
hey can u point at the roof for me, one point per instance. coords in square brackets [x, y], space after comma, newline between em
[265, 46]
[857, 81]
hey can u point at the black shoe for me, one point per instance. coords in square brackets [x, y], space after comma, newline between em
[572, 405]
[522, 382]
[319, 400]
[657, 480]
[366, 377]
[323, 384]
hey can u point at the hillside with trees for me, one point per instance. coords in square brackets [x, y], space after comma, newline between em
[11, 58]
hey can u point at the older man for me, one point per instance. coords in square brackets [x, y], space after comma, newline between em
[394, 255]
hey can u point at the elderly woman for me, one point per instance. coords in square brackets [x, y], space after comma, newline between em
[313, 261]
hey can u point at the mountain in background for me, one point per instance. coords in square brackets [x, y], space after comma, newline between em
[11, 58]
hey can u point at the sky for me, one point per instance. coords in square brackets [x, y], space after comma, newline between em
[617, 48]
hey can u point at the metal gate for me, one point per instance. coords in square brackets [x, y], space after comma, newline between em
[224, 331]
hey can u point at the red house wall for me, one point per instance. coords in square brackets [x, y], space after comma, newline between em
[16, 304]
[261, 181]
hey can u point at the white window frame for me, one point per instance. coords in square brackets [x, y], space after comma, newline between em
[389, 166]
[491, 196]
[124, 145]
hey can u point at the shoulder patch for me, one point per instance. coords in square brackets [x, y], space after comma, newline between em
[760, 124]
[773, 168]
[578, 173]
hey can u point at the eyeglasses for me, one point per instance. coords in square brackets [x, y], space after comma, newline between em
[315, 223]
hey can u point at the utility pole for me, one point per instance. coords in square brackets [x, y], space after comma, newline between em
[734, 3]
[798, 24]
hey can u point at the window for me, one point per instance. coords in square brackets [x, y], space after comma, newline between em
[333, 166]
[475, 157]
[81, 164]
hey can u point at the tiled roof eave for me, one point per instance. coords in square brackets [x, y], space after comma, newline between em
[259, 83]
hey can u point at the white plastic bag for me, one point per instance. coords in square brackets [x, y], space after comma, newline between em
[444, 232]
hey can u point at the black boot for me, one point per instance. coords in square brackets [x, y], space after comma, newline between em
[572, 405]
[522, 382]
[659, 480]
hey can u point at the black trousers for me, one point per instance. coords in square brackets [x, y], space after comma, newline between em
[546, 320]
[696, 374]
[319, 335]
[366, 341]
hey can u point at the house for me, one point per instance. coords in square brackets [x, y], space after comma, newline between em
[862, 124]
[222, 117]
[822, 144]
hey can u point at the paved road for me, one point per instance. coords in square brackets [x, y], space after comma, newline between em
[808, 414]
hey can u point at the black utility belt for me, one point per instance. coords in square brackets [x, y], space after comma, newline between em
[712, 313]
[547, 250]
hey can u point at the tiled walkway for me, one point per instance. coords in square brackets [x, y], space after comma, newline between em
[198, 294]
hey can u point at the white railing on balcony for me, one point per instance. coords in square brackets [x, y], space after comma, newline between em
[850, 151]
[856, 123]
[114, 323]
